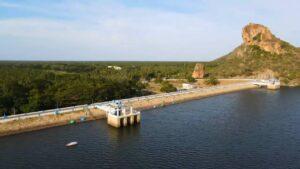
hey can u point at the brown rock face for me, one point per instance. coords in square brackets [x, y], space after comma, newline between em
[256, 34]
[266, 74]
[199, 71]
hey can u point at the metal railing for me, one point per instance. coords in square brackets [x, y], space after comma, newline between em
[189, 91]
[43, 113]
[86, 106]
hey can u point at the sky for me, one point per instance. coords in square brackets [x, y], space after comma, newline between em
[137, 30]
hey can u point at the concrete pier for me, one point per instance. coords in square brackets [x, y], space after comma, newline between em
[131, 120]
[123, 121]
[120, 116]
[273, 86]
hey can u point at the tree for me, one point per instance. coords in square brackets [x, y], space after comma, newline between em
[34, 86]
[6, 104]
[211, 81]
[190, 79]
[158, 79]
[167, 87]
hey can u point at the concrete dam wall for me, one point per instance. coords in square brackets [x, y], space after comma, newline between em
[36, 122]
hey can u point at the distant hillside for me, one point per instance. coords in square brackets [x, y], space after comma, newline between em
[261, 53]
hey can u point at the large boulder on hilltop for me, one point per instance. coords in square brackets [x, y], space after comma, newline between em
[261, 36]
[199, 71]
[261, 55]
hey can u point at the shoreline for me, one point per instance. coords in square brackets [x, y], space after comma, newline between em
[43, 122]
[147, 104]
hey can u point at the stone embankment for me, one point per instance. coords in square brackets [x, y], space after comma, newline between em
[149, 102]
[38, 121]
[20, 125]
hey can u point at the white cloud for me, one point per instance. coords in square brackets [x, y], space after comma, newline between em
[112, 31]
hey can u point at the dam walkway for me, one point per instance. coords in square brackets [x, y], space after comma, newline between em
[86, 107]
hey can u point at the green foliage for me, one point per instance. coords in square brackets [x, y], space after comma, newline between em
[158, 79]
[246, 71]
[190, 79]
[34, 86]
[167, 87]
[257, 37]
[288, 47]
[211, 81]
[247, 60]
[285, 81]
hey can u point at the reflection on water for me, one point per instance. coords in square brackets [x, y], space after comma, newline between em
[119, 134]
[249, 129]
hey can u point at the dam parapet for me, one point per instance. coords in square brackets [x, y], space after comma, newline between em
[118, 114]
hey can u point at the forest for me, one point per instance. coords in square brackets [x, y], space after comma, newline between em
[33, 86]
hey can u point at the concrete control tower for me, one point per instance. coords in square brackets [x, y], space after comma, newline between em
[120, 116]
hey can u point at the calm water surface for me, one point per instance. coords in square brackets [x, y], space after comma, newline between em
[248, 129]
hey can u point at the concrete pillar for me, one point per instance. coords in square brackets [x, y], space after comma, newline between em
[118, 112]
[114, 121]
[118, 121]
[138, 118]
[124, 121]
[131, 120]
[273, 86]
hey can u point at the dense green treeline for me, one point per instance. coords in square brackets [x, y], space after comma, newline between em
[33, 86]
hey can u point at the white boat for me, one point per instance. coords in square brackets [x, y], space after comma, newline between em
[74, 143]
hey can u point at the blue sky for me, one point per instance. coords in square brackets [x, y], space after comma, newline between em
[163, 30]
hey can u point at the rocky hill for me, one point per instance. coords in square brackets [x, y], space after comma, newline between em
[260, 53]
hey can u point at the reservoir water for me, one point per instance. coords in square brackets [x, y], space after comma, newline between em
[248, 129]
